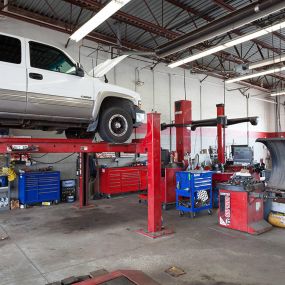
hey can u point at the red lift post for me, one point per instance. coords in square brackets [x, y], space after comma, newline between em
[150, 145]
[183, 115]
[153, 168]
[220, 133]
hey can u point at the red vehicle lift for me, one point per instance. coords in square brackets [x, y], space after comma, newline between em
[150, 145]
[183, 123]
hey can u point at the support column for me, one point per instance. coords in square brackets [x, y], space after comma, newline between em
[154, 173]
[220, 133]
[183, 115]
[83, 179]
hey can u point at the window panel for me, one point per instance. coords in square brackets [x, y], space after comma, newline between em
[49, 58]
[10, 49]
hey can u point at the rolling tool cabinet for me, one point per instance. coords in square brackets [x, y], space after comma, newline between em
[118, 180]
[37, 187]
[193, 192]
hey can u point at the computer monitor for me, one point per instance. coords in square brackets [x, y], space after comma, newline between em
[242, 154]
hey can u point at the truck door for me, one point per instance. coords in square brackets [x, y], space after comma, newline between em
[12, 75]
[54, 89]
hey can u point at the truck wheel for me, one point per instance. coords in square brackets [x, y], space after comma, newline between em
[78, 134]
[115, 125]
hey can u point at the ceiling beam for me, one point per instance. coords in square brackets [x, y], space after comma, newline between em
[189, 10]
[211, 72]
[210, 19]
[34, 18]
[230, 8]
[127, 18]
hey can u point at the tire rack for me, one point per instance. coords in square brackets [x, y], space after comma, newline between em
[149, 145]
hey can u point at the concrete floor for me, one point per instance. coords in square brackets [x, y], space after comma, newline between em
[50, 243]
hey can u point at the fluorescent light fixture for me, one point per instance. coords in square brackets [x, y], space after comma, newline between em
[266, 62]
[249, 76]
[278, 93]
[106, 12]
[231, 43]
[264, 100]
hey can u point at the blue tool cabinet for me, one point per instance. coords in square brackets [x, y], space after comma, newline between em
[193, 191]
[36, 187]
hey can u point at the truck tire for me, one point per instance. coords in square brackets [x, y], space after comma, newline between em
[78, 134]
[115, 125]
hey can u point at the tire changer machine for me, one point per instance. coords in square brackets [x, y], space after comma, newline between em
[245, 202]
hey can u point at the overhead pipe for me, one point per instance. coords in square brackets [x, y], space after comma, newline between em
[232, 21]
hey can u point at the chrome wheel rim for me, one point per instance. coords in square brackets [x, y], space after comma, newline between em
[118, 125]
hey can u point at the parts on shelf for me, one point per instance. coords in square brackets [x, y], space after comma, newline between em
[68, 190]
[5, 197]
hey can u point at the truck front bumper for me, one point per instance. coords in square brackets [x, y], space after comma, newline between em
[140, 116]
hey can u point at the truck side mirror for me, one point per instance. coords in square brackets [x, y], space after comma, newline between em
[79, 70]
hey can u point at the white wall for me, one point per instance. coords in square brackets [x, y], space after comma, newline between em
[161, 88]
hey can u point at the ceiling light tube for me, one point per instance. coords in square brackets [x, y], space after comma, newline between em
[249, 76]
[278, 93]
[264, 100]
[105, 13]
[269, 61]
[231, 43]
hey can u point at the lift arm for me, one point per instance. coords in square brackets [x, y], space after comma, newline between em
[212, 123]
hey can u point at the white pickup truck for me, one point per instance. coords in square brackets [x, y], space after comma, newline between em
[42, 87]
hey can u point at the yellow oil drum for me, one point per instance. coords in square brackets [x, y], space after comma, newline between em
[277, 219]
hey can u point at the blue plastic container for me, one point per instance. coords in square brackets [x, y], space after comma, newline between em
[3, 181]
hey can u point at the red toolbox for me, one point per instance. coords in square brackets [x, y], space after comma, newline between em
[116, 180]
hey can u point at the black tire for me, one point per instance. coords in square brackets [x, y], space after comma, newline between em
[78, 134]
[115, 125]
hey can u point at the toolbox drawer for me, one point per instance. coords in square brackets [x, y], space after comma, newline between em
[32, 196]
